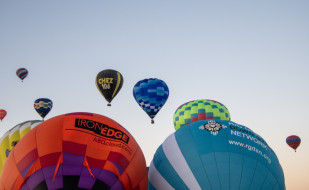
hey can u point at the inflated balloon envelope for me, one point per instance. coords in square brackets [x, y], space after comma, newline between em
[215, 154]
[12, 136]
[76, 151]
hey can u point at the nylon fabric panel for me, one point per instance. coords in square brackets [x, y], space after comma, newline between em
[167, 171]
[219, 151]
[156, 177]
[151, 187]
[133, 168]
[223, 167]
[178, 162]
[259, 177]
[190, 150]
[269, 182]
[249, 168]
[45, 135]
[236, 165]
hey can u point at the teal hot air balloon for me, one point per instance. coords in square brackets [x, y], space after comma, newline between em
[215, 154]
[151, 94]
[43, 106]
[202, 109]
[109, 83]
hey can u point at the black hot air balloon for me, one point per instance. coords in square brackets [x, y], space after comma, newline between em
[109, 83]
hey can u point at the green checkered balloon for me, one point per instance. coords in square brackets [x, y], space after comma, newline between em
[200, 110]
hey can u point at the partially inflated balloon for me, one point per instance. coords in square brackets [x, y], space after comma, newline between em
[109, 83]
[12, 136]
[215, 154]
[2, 114]
[22, 73]
[76, 151]
[43, 106]
[293, 141]
[199, 110]
[151, 94]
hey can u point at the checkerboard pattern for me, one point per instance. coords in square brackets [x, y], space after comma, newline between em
[151, 94]
[199, 110]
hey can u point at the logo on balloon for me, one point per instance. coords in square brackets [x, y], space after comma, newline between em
[102, 129]
[105, 82]
[213, 127]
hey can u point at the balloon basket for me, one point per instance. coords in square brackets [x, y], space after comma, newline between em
[152, 121]
[109, 104]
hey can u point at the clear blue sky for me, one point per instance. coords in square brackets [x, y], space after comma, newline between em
[252, 56]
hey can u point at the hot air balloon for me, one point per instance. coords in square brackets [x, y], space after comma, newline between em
[43, 106]
[109, 83]
[151, 94]
[215, 154]
[200, 110]
[2, 114]
[22, 73]
[12, 136]
[293, 141]
[76, 151]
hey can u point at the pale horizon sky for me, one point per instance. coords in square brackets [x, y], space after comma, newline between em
[252, 56]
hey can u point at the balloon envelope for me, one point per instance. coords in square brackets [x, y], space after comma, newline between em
[2, 114]
[76, 151]
[43, 106]
[151, 94]
[215, 154]
[12, 136]
[200, 110]
[293, 141]
[22, 73]
[109, 83]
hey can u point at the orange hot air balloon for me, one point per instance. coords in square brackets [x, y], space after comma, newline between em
[2, 114]
[76, 151]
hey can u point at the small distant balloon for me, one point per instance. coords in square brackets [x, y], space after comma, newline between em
[2, 114]
[22, 73]
[293, 141]
[109, 83]
[151, 94]
[43, 106]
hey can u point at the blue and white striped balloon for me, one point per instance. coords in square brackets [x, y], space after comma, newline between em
[151, 94]
[215, 154]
